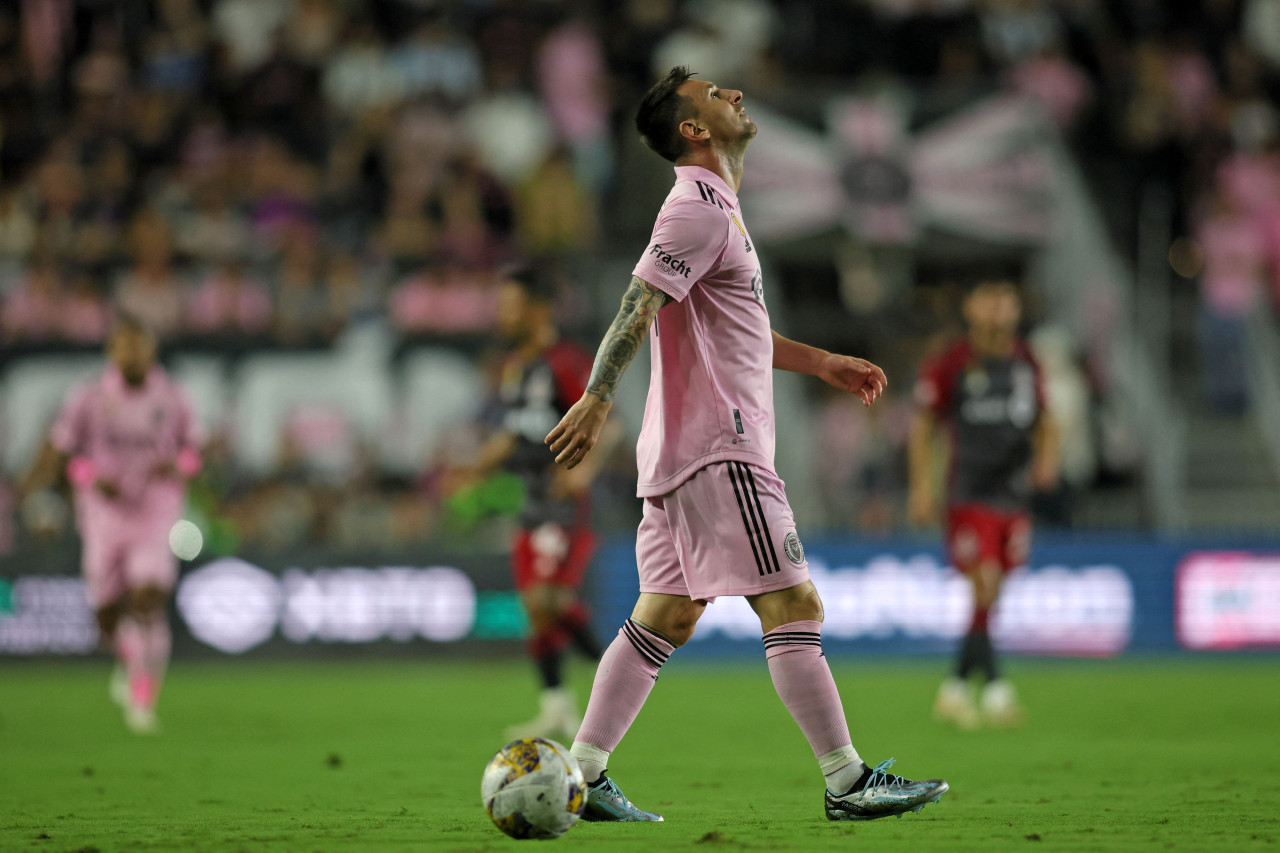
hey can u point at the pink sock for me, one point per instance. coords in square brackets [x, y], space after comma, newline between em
[804, 684]
[143, 646]
[624, 678]
[158, 643]
[128, 643]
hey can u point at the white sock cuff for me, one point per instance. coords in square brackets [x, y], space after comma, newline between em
[835, 759]
[587, 752]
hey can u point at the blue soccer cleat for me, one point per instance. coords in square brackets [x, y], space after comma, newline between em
[606, 802]
[884, 794]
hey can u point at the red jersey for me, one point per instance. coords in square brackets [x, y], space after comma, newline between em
[990, 406]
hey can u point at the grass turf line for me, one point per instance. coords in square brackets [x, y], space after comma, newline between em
[1131, 755]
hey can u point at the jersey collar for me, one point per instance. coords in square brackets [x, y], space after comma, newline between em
[708, 179]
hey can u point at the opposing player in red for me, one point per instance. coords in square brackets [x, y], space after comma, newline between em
[987, 394]
[542, 376]
[716, 519]
[128, 442]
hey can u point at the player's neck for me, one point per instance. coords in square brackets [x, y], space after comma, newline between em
[726, 164]
[993, 344]
[538, 342]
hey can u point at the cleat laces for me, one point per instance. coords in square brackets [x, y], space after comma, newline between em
[881, 778]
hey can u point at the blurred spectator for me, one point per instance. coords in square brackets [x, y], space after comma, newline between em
[311, 31]
[1231, 285]
[509, 132]
[360, 76]
[245, 29]
[109, 200]
[174, 51]
[151, 289]
[1058, 85]
[33, 308]
[407, 236]
[302, 309]
[228, 301]
[721, 39]
[212, 229]
[860, 461]
[573, 82]
[443, 300]
[1017, 30]
[86, 316]
[475, 216]
[352, 292]
[18, 227]
[438, 61]
[1261, 29]
[1069, 399]
[282, 191]
[555, 213]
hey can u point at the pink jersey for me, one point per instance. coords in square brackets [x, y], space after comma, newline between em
[125, 434]
[711, 349]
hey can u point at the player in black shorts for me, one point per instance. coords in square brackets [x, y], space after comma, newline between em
[542, 375]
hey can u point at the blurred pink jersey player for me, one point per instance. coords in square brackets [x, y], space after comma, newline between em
[129, 442]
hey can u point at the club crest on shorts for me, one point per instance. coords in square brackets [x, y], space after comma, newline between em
[795, 551]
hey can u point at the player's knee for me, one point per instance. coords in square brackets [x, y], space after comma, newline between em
[147, 601]
[671, 617]
[537, 606]
[679, 632]
[108, 619]
[675, 624]
[795, 604]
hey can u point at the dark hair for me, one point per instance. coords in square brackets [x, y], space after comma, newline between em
[660, 113]
[995, 283]
[537, 281]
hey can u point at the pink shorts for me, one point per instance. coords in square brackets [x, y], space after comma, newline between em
[727, 530]
[117, 561]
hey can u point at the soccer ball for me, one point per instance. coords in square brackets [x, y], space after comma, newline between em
[533, 788]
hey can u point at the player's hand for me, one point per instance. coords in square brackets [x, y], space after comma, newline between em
[922, 510]
[1044, 474]
[163, 470]
[107, 488]
[855, 375]
[457, 478]
[579, 430]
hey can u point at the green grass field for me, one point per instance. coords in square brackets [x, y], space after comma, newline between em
[1141, 754]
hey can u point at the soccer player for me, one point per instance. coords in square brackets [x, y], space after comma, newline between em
[987, 392]
[716, 519]
[128, 442]
[541, 378]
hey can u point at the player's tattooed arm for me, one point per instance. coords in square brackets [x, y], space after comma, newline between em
[579, 429]
[640, 305]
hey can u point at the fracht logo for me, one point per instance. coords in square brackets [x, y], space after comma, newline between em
[667, 264]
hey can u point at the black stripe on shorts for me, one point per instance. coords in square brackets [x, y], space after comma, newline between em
[768, 537]
[743, 505]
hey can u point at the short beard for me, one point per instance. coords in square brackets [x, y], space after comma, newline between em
[135, 378]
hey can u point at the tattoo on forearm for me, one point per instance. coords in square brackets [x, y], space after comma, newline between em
[640, 305]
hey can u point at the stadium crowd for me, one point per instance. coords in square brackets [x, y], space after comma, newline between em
[261, 174]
